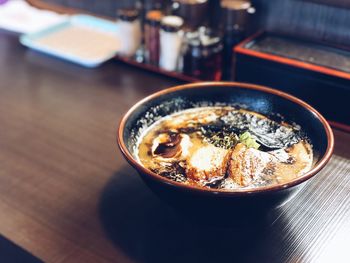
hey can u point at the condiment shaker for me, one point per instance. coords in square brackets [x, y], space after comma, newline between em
[152, 39]
[194, 13]
[129, 31]
[203, 56]
[235, 15]
[170, 42]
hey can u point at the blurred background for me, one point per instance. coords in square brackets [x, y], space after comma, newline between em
[325, 20]
[314, 32]
[298, 46]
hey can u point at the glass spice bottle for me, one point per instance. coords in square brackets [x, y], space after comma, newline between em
[152, 39]
[203, 57]
[194, 13]
[129, 31]
[235, 15]
[170, 42]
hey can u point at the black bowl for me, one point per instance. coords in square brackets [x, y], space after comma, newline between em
[207, 204]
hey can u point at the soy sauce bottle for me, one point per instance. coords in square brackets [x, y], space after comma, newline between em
[235, 16]
[203, 55]
[152, 37]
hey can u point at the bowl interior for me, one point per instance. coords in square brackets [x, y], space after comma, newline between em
[239, 95]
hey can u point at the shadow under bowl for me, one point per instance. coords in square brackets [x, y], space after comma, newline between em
[215, 206]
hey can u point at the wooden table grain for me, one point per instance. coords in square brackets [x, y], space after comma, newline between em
[67, 195]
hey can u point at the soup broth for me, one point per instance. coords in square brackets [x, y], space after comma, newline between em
[225, 148]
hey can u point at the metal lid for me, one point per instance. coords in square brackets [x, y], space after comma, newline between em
[191, 2]
[236, 4]
[128, 14]
[154, 17]
[171, 23]
[203, 43]
[208, 41]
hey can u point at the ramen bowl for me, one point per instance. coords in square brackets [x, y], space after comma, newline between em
[209, 204]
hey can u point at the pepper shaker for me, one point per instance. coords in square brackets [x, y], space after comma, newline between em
[170, 42]
[129, 31]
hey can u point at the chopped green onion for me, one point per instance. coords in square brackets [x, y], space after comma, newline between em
[247, 139]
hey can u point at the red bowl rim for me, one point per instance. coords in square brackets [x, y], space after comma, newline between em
[237, 192]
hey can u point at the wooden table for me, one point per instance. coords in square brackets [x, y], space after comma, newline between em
[67, 195]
